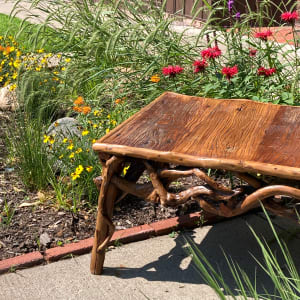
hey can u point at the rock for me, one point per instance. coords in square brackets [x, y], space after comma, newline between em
[8, 99]
[64, 128]
[45, 239]
[60, 129]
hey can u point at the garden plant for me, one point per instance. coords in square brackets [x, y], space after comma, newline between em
[113, 58]
[286, 281]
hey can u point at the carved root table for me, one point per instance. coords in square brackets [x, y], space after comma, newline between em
[176, 135]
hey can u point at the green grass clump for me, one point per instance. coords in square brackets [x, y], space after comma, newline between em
[22, 31]
[113, 54]
[286, 280]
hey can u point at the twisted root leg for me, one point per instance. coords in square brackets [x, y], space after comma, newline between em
[253, 201]
[104, 226]
[111, 230]
[267, 192]
[175, 174]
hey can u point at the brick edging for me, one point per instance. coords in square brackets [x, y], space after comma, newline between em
[128, 235]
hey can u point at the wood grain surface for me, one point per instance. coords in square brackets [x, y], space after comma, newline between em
[243, 133]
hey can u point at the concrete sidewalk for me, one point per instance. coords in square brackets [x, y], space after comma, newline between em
[157, 268]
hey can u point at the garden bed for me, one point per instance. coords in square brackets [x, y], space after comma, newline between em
[36, 219]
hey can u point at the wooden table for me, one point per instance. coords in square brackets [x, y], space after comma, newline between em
[241, 136]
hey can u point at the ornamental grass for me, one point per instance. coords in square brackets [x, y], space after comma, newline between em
[114, 57]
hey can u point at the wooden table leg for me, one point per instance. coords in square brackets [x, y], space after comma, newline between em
[104, 226]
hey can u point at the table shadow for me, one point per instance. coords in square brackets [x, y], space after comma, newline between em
[231, 236]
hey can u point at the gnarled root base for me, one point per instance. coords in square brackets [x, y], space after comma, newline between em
[211, 196]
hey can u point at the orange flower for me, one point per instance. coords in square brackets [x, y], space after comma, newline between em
[86, 109]
[155, 78]
[78, 109]
[118, 101]
[79, 101]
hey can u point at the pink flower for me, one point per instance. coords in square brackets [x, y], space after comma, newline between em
[252, 52]
[229, 72]
[211, 52]
[199, 65]
[263, 35]
[265, 72]
[289, 16]
[172, 71]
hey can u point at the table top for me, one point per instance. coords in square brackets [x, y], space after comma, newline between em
[239, 135]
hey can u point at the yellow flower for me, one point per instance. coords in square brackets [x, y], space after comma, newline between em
[51, 140]
[67, 60]
[75, 176]
[63, 68]
[107, 130]
[113, 122]
[125, 170]
[13, 87]
[93, 141]
[38, 68]
[79, 169]
[46, 138]
[78, 150]
[17, 63]
[56, 124]
[61, 156]
[65, 140]
[1, 78]
[14, 75]
[89, 169]
[95, 126]
[70, 147]
[155, 78]
[71, 155]
[58, 55]
[40, 50]
[85, 132]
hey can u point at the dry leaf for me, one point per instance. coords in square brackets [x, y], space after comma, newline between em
[41, 196]
[26, 204]
[17, 190]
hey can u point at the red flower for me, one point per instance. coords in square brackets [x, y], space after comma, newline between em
[211, 52]
[252, 52]
[229, 72]
[199, 65]
[289, 16]
[171, 70]
[263, 35]
[265, 72]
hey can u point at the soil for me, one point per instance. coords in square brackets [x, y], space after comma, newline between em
[36, 223]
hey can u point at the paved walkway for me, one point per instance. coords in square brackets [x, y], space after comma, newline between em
[157, 268]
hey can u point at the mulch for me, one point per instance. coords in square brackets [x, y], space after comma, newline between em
[37, 223]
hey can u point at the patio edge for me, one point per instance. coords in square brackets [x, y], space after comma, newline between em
[124, 236]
